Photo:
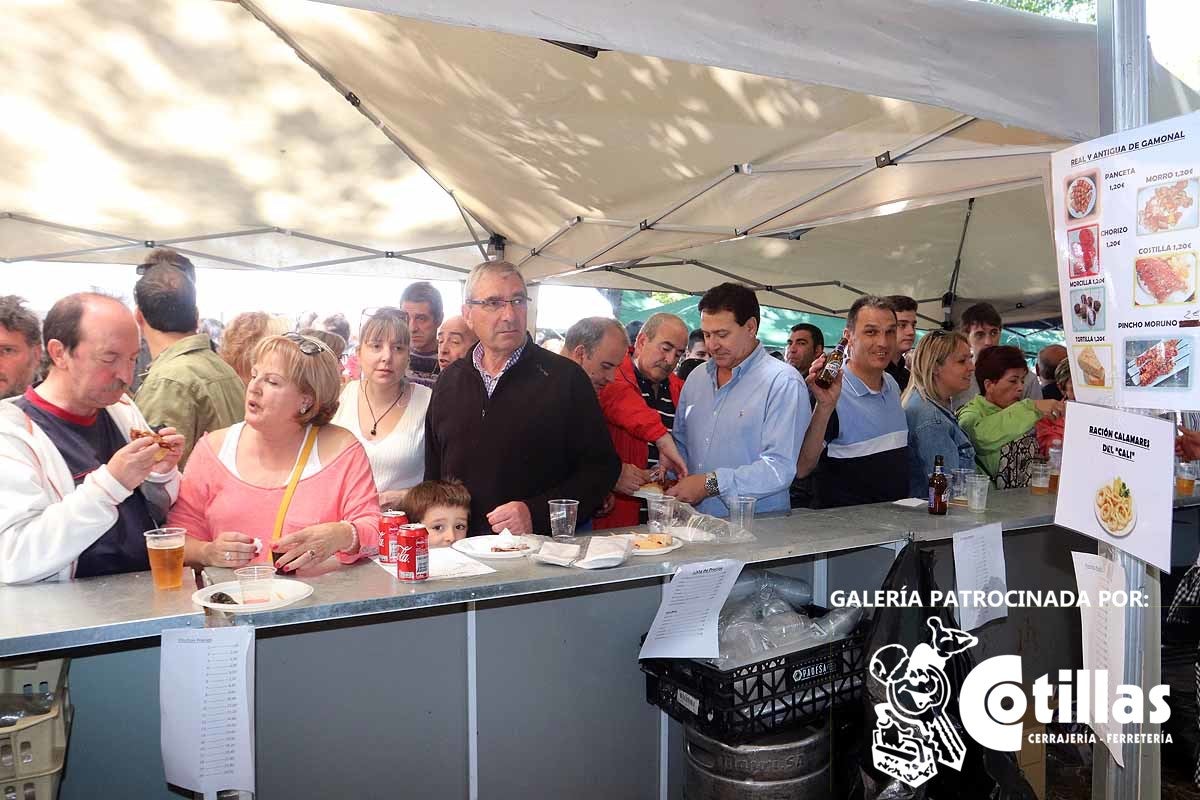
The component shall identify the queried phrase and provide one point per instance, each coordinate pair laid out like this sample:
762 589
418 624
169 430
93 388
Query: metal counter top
54 616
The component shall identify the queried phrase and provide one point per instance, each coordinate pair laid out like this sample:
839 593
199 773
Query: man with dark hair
1047 362
741 417
695 356
982 325
517 424
597 344
857 443
20 346
189 387
906 336
171 258
337 323
423 304
78 490
805 343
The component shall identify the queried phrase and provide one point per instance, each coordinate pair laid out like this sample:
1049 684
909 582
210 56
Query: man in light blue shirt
741 417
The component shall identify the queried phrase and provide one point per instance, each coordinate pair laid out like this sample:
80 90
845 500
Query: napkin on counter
602 551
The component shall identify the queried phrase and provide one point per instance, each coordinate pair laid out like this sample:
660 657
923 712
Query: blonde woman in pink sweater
236 481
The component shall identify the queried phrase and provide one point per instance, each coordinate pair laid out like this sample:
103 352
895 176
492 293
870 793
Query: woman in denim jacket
941 368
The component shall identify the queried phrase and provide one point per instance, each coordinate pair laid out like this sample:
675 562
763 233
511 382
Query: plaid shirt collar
490 381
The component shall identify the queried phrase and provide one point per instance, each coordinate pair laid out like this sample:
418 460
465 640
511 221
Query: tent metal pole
952 155
995 188
762 287
209 236
668 287
334 242
537 250
72 253
551 239
331 262
470 228
223 259
810 285
650 222
962 240
1124 103
858 172
427 263
70 228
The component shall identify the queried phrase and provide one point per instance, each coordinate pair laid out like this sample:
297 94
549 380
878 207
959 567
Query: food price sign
1125 228
1117 478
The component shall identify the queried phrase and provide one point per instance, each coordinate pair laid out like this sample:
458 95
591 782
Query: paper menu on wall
206 700
1118 479
686 623
979 567
1103 638
1125 213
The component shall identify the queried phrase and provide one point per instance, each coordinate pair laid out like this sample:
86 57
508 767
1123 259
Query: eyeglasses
493 304
308 346
383 311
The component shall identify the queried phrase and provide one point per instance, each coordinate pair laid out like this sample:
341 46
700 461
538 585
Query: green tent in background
777 323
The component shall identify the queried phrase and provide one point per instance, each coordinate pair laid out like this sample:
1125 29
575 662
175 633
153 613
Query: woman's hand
1050 408
230 549
310 546
392 500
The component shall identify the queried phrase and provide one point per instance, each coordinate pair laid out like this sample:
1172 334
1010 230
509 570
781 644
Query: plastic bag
691 526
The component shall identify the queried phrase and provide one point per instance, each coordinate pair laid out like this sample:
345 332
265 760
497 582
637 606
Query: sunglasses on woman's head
308 346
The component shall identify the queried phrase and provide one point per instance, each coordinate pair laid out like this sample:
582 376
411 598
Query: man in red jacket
639 406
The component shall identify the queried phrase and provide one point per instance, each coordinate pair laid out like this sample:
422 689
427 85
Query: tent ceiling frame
549 240
128 243
470 228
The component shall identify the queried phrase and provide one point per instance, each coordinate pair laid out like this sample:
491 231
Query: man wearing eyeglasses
520 426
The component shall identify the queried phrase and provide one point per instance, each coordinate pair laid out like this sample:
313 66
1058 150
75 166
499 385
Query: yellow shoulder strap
309 441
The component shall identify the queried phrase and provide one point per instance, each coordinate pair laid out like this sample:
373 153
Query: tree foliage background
1074 10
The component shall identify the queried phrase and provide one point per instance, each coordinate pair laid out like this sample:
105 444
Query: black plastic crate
766 697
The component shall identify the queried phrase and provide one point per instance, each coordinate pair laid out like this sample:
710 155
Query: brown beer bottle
939 488
833 365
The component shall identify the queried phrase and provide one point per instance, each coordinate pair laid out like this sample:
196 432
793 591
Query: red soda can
412 563
389 526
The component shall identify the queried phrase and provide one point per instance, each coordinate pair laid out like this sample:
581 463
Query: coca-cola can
389 526
412 563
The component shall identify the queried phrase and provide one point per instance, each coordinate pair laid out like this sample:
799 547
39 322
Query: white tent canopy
189 118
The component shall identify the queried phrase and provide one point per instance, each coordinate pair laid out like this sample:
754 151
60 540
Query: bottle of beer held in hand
939 488
833 365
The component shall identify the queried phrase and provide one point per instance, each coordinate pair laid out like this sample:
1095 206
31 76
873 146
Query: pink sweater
212 499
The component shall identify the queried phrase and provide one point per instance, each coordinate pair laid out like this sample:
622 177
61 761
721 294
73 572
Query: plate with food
1114 508
498 546
1165 279
1152 363
653 544
1092 364
1081 196
228 596
1167 207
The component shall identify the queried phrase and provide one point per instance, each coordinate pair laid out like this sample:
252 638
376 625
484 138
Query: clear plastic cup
977 492
1039 477
1185 478
660 513
958 485
564 515
164 546
255 583
741 513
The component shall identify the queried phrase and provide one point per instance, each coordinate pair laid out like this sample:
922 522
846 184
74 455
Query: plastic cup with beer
977 492
958 485
164 546
1039 477
1185 478
255 583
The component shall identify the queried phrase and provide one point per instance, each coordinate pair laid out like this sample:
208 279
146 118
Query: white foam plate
643 494
676 543
284 592
1124 531
481 547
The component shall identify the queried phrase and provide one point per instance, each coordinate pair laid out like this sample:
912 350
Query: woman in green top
999 423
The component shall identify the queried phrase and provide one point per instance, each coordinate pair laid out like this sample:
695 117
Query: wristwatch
711 489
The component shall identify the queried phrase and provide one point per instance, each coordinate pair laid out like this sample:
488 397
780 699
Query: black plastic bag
985 774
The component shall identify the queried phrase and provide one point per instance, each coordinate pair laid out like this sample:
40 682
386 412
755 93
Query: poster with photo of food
1126 217
1117 467
1160 364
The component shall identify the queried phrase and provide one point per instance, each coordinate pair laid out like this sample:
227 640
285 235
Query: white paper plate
643 494
284 592
1124 531
1091 203
676 543
481 547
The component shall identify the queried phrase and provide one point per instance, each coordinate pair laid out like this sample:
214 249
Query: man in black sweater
517 424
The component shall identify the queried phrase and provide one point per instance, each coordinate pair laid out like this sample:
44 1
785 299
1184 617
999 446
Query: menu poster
1117 480
1125 214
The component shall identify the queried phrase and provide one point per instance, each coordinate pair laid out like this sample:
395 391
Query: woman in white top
385 410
